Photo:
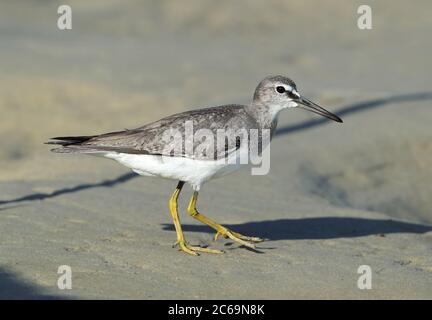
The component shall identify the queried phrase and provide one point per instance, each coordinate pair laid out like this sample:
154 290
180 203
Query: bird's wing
171 136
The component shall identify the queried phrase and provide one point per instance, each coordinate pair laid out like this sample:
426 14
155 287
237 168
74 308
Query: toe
193 250
207 250
185 248
241 241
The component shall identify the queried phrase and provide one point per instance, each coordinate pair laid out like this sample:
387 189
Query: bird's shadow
315 228
42 196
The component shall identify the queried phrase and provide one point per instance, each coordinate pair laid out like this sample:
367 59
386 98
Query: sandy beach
337 196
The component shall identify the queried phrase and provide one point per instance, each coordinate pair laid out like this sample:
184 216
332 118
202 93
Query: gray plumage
150 139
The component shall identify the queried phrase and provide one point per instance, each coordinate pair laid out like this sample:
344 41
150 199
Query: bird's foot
235 236
194 250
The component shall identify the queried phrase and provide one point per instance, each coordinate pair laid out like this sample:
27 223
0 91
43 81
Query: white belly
195 172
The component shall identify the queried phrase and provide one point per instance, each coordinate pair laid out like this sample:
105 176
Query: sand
337 196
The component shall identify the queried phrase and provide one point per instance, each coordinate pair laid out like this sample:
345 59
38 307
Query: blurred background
127 63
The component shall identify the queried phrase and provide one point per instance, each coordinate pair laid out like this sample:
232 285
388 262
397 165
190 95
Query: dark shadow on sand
42 196
355 108
315 228
13 288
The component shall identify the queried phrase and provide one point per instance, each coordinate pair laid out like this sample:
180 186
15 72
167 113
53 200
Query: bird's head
281 92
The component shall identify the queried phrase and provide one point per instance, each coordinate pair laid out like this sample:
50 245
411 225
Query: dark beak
313 107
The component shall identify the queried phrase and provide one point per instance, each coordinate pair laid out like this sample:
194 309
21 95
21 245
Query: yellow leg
172 204
220 230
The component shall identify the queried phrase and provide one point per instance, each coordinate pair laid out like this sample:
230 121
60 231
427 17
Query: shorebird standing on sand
148 152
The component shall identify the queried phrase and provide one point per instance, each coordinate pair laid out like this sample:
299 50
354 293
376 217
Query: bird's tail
72 145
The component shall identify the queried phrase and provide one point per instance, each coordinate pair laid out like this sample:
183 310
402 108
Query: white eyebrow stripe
288 88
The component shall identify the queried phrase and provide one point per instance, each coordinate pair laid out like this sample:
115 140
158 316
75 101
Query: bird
168 148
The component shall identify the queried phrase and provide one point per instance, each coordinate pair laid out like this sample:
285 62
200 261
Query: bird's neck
265 115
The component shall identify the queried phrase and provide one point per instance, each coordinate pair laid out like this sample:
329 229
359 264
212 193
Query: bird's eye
280 89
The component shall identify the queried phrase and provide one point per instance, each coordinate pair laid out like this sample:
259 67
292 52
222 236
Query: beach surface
337 197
